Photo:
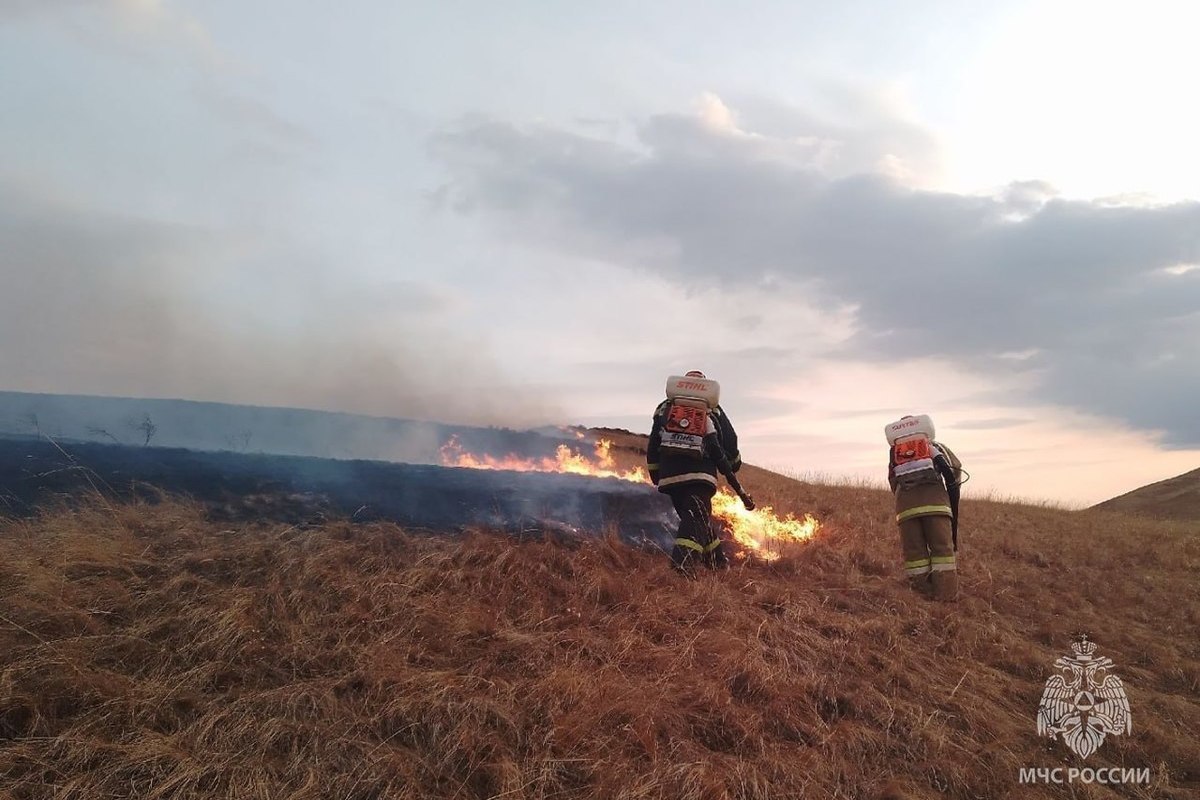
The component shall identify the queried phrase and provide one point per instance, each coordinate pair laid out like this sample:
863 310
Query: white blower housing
910 426
699 388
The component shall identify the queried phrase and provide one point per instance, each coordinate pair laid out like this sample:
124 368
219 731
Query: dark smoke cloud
99 303
1078 293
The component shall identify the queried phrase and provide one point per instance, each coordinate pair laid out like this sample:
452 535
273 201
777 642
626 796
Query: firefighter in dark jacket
925 476
690 440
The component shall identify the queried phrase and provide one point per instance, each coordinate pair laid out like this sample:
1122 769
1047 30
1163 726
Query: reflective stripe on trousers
699 548
918 566
943 563
921 511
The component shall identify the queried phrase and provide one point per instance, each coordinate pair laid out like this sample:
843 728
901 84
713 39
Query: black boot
684 559
718 558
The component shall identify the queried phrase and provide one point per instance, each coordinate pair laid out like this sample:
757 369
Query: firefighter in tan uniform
925 476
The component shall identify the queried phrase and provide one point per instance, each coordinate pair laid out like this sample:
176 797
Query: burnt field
36 473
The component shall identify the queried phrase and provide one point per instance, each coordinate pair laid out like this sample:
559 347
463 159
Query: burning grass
565 460
149 652
761 533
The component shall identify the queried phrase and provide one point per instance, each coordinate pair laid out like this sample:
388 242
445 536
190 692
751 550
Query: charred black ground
292 488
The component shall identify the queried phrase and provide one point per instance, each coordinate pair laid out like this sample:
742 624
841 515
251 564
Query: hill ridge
1175 498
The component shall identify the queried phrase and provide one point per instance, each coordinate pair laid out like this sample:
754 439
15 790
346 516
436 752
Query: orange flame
759 532
565 459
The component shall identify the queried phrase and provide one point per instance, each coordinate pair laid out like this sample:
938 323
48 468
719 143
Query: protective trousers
928 550
696 541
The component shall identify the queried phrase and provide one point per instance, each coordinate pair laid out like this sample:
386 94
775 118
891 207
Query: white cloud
717 116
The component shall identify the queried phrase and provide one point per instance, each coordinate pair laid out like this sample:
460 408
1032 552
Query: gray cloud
132 28
1080 285
244 113
993 424
96 302
17 9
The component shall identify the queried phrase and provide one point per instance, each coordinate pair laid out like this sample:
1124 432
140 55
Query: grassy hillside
1175 498
146 651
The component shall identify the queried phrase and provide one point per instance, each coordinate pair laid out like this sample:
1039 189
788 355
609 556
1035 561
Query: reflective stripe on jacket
929 496
668 469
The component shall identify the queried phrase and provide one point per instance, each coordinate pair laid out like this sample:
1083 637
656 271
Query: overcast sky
528 212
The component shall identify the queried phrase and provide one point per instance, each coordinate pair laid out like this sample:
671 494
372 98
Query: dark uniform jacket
670 469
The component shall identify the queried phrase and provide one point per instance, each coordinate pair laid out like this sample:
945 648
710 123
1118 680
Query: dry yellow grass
146 652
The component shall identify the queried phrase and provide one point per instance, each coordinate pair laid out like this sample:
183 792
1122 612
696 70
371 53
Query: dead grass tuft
151 652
